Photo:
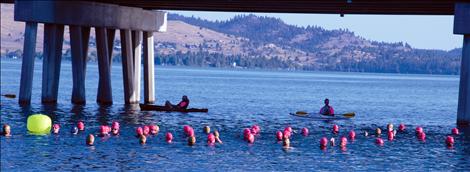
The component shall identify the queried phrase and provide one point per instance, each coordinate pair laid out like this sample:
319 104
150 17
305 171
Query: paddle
12 96
347 115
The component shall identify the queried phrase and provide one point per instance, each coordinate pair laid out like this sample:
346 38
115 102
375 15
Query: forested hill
316 48
251 41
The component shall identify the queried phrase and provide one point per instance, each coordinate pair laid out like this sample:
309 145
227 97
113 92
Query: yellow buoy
39 124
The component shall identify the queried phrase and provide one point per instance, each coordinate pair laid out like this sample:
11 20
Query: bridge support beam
137 53
127 65
104 95
53 39
79 37
27 66
462 26
149 75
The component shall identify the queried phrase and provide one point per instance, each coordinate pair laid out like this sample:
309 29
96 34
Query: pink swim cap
419 130
80 125
169 137
390 135
139 131
379 141
401 127
115 125
422 136
343 142
146 130
335 129
210 139
455 131
287 134
288 128
305 131
323 142
279 135
352 135
450 141
56 126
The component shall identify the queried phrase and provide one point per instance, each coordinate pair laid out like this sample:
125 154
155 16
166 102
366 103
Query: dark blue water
237 99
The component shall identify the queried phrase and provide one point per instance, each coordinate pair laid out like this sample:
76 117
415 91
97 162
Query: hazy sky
428 32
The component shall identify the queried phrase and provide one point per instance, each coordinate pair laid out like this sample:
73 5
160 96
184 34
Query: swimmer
210 139
55 128
142 139
81 125
169 137
279 135
90 140
103 131
139 131
207 129
422 136
378 132
304 131
379 141
115 128
74 130
251 138
419 130
323 143
154 129
217 138
6 130
246 133
450 141
335 129
146 130
343 142
390 127
191 140
286 143
455 131
255 129
186 129
401 127
332 141
352 135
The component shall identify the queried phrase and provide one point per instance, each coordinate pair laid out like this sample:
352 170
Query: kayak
325 117
147 107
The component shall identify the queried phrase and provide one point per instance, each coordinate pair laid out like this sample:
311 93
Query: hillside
262 42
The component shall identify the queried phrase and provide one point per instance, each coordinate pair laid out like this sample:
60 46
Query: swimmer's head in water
6 130
185 98
207 129
378 131
81 125
90 139
142 139
55 128
191 141
327 101
286 142
74 130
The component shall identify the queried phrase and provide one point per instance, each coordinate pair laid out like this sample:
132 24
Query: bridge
138 19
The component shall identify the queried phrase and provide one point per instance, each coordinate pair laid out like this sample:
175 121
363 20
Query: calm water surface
237 99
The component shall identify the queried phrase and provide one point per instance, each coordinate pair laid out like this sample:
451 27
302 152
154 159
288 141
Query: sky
425 32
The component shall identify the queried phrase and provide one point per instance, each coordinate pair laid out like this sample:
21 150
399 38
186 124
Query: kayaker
327 109
183 104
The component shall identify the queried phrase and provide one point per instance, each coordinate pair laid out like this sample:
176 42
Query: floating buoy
279 135
455 131
39 124
305 131
169 137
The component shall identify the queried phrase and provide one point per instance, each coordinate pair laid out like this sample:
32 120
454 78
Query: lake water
238 99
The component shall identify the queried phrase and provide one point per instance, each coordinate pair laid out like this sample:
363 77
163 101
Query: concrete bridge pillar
104 95
127 65
462 26
53 39
149 75
137 53
79 37
27 66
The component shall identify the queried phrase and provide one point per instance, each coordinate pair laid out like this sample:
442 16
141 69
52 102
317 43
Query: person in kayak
327 109
183 104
